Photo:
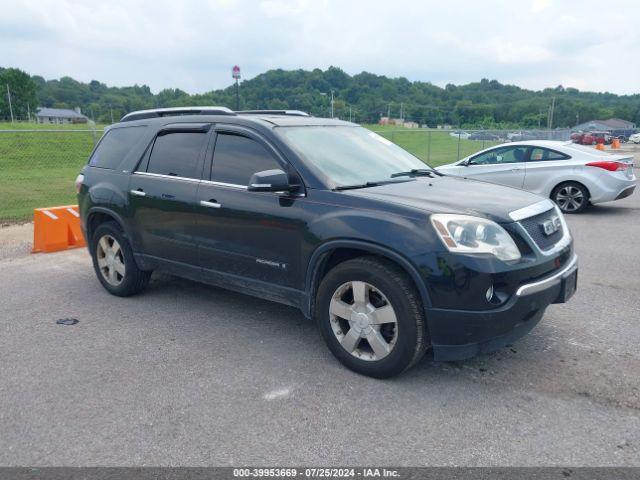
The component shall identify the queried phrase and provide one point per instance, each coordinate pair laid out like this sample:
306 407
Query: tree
23 93
484 103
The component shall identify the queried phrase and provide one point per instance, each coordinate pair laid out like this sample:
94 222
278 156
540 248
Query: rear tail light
79 180
609 165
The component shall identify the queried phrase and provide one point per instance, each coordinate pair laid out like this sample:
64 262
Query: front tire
371 317
113 262
571 197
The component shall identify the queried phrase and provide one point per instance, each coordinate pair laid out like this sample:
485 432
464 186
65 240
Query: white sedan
459 134
571 175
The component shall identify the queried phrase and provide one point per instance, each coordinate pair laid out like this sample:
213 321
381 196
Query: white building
60 115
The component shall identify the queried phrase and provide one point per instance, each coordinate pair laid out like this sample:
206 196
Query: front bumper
461 334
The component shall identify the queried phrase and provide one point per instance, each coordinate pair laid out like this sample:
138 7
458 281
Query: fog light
489 293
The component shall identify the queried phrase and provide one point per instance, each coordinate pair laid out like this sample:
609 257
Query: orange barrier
615 143
599 146
56 228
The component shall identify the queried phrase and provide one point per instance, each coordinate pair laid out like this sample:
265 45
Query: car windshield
350 155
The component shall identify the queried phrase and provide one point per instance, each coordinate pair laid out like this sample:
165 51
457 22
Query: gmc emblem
549 227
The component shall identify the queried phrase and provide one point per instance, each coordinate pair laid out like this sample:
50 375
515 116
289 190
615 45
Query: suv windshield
350 155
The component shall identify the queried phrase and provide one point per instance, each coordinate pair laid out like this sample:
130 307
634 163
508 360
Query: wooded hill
487 103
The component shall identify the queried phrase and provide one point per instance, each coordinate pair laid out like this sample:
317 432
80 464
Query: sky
192 45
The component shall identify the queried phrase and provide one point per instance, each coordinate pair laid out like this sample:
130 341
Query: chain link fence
440 146
38 166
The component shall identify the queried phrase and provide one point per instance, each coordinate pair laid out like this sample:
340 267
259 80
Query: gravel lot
187 374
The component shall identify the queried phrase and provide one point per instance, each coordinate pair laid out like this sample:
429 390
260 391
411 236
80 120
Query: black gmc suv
390 257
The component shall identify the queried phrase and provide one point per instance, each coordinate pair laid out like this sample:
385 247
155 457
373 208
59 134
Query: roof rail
165 112
295 113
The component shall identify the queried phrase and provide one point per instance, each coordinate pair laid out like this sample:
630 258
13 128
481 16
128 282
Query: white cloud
540 5
193 44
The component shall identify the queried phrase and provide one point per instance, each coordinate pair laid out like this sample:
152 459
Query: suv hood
453 195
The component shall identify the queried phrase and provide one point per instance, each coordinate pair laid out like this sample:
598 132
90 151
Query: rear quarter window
539 154
115 146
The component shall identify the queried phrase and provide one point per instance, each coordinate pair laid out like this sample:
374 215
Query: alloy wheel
570 198
110 260
363 320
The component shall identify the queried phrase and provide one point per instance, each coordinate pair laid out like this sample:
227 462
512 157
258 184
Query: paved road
186 374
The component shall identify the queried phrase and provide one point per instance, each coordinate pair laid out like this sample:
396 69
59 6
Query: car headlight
467 234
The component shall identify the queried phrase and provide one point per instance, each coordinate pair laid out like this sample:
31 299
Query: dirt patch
16 240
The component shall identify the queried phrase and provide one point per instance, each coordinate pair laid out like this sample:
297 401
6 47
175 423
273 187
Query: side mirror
270 181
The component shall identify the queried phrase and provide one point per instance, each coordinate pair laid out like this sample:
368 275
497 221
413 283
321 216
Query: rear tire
113 262
571 197
371 317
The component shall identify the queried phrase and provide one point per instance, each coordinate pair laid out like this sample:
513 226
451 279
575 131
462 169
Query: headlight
466 234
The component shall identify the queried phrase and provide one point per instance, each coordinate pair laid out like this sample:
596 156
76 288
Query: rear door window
178 154
236 158
115 146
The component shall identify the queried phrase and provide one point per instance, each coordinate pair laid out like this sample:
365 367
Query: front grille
534 227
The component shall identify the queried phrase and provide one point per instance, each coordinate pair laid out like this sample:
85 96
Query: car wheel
371 317
114 263
571 197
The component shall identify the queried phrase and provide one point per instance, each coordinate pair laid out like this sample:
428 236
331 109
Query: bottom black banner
430 473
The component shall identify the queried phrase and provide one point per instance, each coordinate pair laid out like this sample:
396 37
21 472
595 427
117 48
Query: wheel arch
99 215
570 180
334 252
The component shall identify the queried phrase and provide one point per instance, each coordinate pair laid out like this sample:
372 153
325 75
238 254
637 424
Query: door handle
138 193
516 169
167 196
210 204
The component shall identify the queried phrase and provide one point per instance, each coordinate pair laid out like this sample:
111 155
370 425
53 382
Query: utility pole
539 118
10 107
402 112
551 109
389 111
111 111
349 112
332 116
28 112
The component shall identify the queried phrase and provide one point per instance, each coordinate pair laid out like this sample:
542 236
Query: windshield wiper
417 172
368 184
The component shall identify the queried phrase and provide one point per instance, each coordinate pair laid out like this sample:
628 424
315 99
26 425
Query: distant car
571 175
522 136
576 137
593 138
459 134
623 133
635 138
484 136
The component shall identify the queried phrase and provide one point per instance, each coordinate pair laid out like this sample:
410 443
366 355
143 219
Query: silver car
571 175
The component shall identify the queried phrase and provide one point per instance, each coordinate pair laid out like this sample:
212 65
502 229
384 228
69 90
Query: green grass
37 169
